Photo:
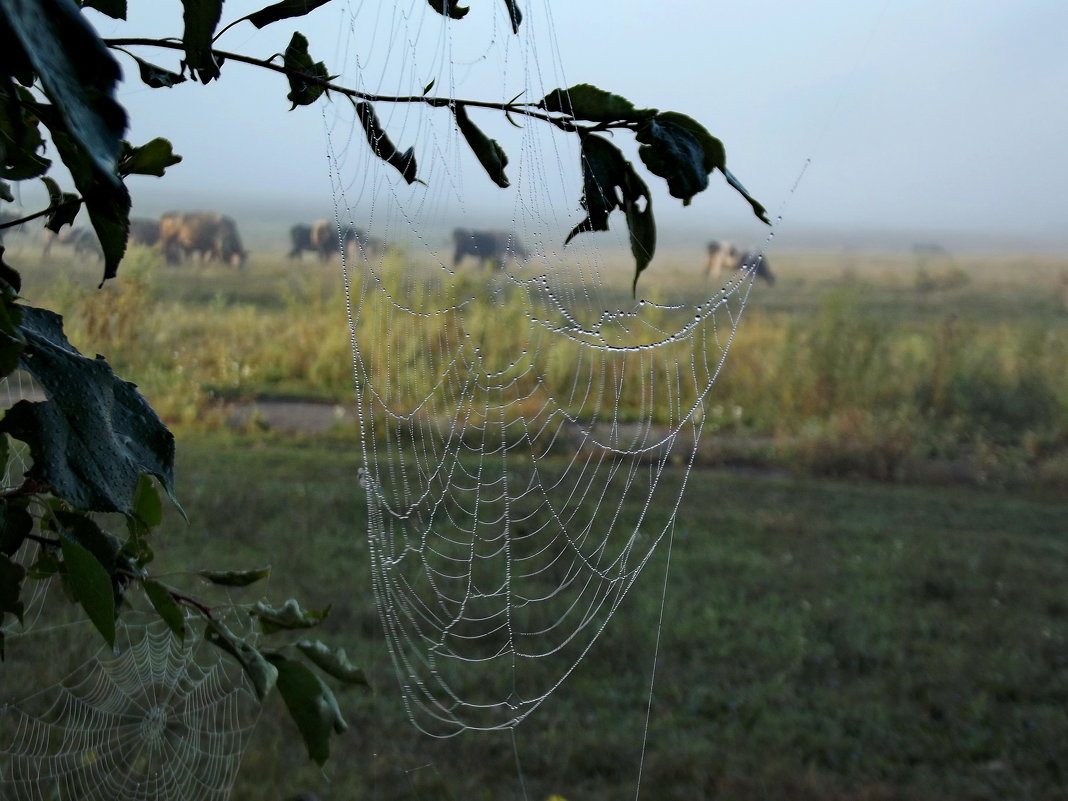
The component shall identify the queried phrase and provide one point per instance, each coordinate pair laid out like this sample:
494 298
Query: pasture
866 590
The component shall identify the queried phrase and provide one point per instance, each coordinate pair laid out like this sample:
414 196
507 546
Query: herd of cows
208 236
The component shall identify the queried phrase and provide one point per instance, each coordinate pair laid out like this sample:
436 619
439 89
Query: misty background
860 123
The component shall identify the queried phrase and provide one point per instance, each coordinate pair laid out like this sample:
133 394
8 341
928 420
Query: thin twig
525 109
43 212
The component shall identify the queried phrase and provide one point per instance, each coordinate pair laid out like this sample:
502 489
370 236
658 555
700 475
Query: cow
144 232
300 237
725 256
207 234
324 240
495 247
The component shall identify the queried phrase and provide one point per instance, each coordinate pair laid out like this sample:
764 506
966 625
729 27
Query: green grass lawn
820 640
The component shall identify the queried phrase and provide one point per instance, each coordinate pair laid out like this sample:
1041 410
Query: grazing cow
322 238
725 256
144 232
495 247
207 234
300 237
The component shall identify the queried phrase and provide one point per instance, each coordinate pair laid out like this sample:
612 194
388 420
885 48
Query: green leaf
296 57
490 154
104 195
168 609
586 102
83 530
151 158
715 157
157 77
404 163
45 565
91 586
449 8
201 17
311 704
287 616
283 10
95 436
514 14
758 210
15 524
11 576
261 673
66 205
235 578
333 661
113 8
429 86
78 75
147 506
672 152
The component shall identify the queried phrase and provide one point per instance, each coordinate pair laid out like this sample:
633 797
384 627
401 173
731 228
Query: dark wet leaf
429 86
449 8
311 704
66 205
5 187
157 77
91 585
200 18
490 154
166 607
586 102
715 157
287 616
515 16
333 662
113 8
303 91
95 436
610 182
404 163
151 158
235 578
260 672
78 75
283 10
671 151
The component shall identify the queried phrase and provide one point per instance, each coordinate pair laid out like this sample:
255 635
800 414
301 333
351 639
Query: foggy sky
941 116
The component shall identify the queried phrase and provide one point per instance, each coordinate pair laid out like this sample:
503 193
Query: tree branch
42 213
525 109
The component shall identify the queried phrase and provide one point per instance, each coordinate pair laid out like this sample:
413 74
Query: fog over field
870 123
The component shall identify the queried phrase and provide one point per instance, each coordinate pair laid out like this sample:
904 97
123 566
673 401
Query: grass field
822 638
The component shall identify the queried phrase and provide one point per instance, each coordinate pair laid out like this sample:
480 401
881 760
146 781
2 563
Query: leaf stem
42 213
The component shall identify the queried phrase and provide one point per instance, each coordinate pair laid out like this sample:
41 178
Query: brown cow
207 234
725 256
323 239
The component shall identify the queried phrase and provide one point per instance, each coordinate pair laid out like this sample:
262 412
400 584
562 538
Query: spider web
152 722
517 424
